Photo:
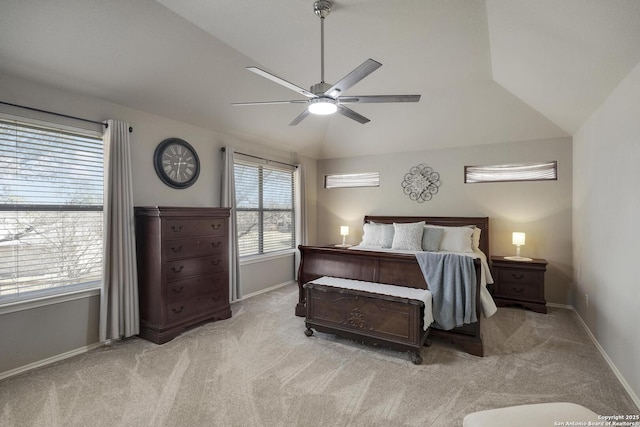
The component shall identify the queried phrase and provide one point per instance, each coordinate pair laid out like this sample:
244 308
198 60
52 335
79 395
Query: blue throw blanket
452 282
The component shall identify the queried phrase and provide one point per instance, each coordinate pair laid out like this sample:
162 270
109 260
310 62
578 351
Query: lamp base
518 258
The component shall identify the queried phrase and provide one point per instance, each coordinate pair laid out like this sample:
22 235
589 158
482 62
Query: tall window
51 187
265 213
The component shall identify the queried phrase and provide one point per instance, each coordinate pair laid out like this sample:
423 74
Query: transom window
264 208
51 196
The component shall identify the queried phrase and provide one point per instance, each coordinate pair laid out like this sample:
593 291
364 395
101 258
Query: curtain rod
223 149
106 125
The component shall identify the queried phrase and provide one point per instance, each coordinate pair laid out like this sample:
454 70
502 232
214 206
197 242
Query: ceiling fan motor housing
320 88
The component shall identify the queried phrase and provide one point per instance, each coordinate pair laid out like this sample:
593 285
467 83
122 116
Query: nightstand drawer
519 277
519 291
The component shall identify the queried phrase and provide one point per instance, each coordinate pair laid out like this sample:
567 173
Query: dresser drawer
179 228
518 291
181 269
195 306
193 247
194 286
519 277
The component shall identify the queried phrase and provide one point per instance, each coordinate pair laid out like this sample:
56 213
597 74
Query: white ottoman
534 415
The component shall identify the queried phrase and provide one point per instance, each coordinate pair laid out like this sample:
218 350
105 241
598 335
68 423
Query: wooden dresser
183 269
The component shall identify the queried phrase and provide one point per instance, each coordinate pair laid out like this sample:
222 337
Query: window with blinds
515 172
264 208
51 188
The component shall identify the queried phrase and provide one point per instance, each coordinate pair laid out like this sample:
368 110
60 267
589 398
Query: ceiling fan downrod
322 9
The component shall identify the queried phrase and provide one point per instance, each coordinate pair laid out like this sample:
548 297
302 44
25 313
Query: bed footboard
380 267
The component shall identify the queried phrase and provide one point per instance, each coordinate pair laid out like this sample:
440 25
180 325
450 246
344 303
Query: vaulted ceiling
488 71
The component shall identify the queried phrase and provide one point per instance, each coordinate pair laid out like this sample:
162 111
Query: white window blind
367 179
265 208
514 172
51 195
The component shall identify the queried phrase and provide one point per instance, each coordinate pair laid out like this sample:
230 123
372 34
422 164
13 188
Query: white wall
541 209
606 223
148 131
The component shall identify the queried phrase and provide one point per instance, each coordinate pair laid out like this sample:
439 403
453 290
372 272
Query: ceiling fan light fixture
322 106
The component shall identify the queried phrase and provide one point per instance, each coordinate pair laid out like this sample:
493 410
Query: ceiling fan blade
301 116
352 114
379 98
295 101
281 82
362 71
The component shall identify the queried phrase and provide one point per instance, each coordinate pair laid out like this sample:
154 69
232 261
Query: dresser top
181 211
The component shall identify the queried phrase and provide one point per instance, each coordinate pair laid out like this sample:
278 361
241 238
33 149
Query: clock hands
181 163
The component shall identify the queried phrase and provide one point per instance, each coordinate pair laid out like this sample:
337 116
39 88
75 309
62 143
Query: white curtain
301 213
228 200
119 314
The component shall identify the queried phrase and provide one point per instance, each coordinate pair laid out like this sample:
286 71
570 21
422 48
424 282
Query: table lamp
518 239
344 232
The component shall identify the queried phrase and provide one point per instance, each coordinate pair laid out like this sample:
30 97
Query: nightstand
519 283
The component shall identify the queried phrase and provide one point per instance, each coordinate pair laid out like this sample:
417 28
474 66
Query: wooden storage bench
374 318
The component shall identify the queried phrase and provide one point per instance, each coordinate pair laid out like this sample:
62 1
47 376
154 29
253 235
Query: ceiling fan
325 98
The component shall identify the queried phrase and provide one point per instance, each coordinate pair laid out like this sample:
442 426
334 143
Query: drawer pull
177 291
517 276
216 299
177 270
517 290
215 262
178 311
176 250
216 244
177 229
216 226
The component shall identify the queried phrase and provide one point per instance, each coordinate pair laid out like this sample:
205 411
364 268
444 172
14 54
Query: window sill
28 304
266 257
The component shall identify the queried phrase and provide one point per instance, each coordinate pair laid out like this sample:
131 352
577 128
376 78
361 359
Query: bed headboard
450 221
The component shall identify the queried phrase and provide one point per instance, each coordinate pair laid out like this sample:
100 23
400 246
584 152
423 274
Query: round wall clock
177 163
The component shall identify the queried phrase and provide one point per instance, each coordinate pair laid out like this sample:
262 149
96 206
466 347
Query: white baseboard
625 384
262 291
50 360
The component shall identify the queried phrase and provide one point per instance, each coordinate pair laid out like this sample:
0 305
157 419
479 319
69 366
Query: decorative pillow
431 239
377 235
455 239
408 236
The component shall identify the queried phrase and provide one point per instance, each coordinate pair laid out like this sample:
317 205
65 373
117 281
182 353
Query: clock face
176 163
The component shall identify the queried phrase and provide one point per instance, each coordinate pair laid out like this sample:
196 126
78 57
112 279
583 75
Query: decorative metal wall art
421 183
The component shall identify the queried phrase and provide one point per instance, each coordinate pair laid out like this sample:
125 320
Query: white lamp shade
344 230
518 238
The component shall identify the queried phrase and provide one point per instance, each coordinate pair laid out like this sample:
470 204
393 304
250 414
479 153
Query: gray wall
542 209
606 225
149 131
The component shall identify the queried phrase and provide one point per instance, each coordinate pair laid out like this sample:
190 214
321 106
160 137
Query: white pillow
456 239
377 235
408 236
475 239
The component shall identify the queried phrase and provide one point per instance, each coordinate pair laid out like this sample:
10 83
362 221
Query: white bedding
486 301
378 288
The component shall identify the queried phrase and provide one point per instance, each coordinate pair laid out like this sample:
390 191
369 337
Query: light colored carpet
258 368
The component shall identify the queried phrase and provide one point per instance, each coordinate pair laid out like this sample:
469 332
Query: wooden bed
392 268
